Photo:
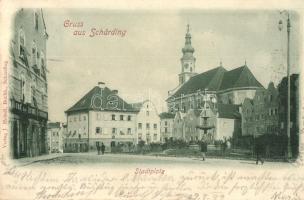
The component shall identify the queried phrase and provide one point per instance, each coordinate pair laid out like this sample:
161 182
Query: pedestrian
103 147
259 150
228 144
98 148
224 145
203 148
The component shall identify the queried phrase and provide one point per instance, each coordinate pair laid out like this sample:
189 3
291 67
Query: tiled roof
166 115
210 80
110 101
239 77
229 111
137 106
219 79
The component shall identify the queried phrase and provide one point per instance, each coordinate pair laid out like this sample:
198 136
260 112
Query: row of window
72 134
270 98
268 129
55 134
148 137
271 112
99 130
79 117
147 126
98 117
122 117
30 95
36 55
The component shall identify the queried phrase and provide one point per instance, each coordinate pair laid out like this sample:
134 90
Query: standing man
103 147
259 150
203 148
98 148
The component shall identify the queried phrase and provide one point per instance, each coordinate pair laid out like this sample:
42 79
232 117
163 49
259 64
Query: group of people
259 149
100 148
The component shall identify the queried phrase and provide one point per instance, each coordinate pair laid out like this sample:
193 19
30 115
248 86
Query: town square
205 88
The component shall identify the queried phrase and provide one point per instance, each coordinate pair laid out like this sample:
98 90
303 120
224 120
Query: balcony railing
28 110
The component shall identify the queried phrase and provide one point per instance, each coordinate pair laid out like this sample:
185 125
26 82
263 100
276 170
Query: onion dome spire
188 48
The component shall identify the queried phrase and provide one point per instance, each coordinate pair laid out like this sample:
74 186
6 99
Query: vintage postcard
151 101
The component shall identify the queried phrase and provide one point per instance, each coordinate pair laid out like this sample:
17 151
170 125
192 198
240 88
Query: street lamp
288 26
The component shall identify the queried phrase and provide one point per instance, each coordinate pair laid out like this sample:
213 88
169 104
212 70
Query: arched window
33 94
21 41
22 79
42 65
34 54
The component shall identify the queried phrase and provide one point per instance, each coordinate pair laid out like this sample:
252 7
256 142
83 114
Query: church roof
106 100
239 77
208 80
218 79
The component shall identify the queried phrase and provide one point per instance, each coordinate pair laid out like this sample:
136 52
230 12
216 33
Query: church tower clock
188 60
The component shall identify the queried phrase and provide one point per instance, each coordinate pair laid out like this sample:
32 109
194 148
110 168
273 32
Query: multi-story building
55 134
260 115
101 116
28 85
166 126
148 122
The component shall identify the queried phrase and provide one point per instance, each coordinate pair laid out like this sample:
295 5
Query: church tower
188 60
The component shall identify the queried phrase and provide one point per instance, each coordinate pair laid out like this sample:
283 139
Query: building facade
166 126
260 115
148 122
55 134
214 121
101 116
28 85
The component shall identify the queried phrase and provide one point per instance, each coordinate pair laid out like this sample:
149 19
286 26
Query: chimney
101 85
115 91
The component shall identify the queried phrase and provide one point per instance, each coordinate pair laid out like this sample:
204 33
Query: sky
145 63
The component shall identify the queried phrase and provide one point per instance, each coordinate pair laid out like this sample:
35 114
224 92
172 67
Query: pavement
117 160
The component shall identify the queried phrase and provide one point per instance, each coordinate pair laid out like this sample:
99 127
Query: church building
221 85
218 90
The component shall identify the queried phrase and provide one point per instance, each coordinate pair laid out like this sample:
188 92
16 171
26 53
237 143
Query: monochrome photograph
186 87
